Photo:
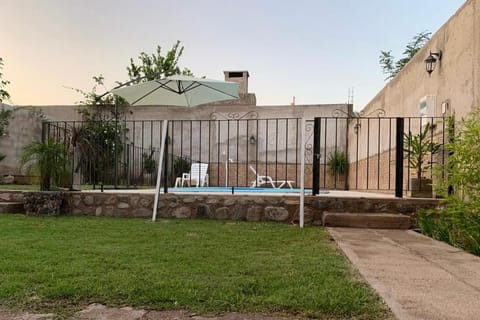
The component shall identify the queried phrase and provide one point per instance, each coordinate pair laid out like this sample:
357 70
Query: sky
315 50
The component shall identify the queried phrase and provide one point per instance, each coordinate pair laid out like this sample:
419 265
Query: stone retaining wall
235 207
224 206
11 196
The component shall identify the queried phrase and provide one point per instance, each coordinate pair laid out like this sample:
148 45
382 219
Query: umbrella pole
160 166
302 172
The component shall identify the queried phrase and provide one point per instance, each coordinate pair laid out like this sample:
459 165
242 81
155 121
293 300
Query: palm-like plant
417 147
48 158
338 162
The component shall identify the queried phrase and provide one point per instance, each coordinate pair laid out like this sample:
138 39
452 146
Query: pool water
234 190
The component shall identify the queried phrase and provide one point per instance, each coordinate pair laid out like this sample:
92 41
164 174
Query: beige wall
454 82
24 127
280 146
456 78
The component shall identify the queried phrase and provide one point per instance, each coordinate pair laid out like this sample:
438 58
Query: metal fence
126 153
384 154
238 152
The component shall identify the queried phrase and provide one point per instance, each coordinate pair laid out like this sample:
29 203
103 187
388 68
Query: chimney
240 77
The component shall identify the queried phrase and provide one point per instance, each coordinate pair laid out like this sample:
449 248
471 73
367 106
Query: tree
5 114
390 67
4 95
99 139
157 66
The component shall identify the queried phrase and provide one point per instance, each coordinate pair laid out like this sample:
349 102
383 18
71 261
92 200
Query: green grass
30 187
62 263
19 187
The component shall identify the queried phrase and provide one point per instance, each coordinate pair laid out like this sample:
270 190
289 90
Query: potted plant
50 159
338 164
149 166
418 149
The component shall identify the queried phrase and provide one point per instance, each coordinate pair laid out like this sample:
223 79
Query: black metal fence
381 152
346 153
238 152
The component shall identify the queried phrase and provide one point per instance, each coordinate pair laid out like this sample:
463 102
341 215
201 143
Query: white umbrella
176 91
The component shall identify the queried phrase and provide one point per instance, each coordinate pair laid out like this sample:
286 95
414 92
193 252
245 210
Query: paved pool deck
418 277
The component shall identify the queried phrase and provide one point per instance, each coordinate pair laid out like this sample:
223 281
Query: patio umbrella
182 91
178 91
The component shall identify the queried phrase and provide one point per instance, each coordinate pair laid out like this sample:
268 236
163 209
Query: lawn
36 187
26 187
59 264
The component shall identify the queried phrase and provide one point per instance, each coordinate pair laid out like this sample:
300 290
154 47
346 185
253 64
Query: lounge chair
267 180
197 176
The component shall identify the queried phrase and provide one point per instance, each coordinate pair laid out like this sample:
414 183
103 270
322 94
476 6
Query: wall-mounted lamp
252 139
431 61
356 127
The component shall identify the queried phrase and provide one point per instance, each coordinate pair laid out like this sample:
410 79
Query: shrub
181 165
149 164
338 162
49 159
458 223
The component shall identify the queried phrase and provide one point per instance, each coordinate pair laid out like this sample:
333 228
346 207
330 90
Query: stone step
11 207
366 220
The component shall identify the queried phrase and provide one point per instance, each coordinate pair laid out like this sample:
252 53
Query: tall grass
458 226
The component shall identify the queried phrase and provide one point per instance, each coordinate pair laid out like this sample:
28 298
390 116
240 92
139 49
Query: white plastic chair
197 176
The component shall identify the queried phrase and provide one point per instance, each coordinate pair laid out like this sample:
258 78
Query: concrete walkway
418 277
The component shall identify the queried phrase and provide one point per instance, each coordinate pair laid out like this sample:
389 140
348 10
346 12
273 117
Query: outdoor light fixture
356 127
252 139
431 60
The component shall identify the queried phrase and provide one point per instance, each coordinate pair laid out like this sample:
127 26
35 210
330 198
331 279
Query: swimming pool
234 190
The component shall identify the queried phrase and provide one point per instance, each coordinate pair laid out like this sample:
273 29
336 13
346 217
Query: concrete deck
418 277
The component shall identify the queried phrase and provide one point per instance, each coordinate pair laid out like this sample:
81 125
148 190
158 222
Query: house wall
23 128
452 88
456 78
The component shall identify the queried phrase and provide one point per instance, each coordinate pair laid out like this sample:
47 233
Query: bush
338 162
458 223
180 165
149 164
49 159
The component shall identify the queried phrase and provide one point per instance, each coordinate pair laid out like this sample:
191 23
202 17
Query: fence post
316 156
44 131
399 159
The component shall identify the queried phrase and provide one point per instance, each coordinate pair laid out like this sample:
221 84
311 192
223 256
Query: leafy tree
5 114
390 67
98 141
4 95
156 66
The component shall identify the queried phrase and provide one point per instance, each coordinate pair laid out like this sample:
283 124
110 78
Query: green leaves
155 65
49 159
458 223
338 162
417 149
387 61
4 95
